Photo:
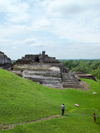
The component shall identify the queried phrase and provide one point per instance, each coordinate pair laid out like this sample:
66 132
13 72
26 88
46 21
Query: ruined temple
45 70
5 62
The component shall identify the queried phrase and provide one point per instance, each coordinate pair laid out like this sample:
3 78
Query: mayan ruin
45 70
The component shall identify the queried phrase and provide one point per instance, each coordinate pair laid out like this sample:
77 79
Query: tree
96 73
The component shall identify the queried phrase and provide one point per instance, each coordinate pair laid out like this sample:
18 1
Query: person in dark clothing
63 109
94 117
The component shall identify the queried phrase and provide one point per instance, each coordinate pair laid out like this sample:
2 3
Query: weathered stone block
5 62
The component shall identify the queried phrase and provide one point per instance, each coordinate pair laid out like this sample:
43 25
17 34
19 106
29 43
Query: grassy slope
23 100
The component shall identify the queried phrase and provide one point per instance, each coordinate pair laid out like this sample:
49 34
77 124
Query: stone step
70 80
39 77
65 85
58 86
50 82
72 86
45 81
66 75
71 83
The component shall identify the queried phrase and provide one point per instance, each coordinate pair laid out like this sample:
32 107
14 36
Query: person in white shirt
63 109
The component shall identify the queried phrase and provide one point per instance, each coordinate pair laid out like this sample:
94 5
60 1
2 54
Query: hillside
22 100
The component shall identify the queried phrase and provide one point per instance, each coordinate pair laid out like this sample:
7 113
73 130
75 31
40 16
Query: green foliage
22 100
96 73
70 64
99 67
95 65
84 66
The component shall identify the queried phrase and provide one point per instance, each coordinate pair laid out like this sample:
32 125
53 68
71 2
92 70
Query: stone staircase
70 81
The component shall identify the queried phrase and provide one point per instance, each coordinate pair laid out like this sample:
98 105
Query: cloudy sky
65 29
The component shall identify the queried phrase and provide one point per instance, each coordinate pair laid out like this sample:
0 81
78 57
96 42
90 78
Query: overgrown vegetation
22 100
84 66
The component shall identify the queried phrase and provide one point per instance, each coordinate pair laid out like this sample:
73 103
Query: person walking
63 109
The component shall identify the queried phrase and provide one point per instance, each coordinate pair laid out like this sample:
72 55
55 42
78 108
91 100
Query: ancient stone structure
45 70
5 62
83 75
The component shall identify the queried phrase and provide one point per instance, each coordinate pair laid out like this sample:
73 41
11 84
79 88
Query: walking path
5 127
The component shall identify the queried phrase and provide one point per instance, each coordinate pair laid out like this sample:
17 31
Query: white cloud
67 7
16 11
14 47
41 23
51 24
32 42
18 18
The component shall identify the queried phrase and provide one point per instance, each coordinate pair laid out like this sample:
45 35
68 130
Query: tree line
85 66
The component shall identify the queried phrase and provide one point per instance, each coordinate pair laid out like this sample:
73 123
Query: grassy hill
22 100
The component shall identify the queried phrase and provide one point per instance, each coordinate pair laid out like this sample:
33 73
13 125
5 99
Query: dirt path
5 127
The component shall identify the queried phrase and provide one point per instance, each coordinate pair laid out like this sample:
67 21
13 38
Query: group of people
63 109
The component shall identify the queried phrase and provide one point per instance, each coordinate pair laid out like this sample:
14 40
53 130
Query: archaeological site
45 70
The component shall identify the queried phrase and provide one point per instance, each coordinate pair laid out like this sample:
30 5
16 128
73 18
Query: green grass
22 100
